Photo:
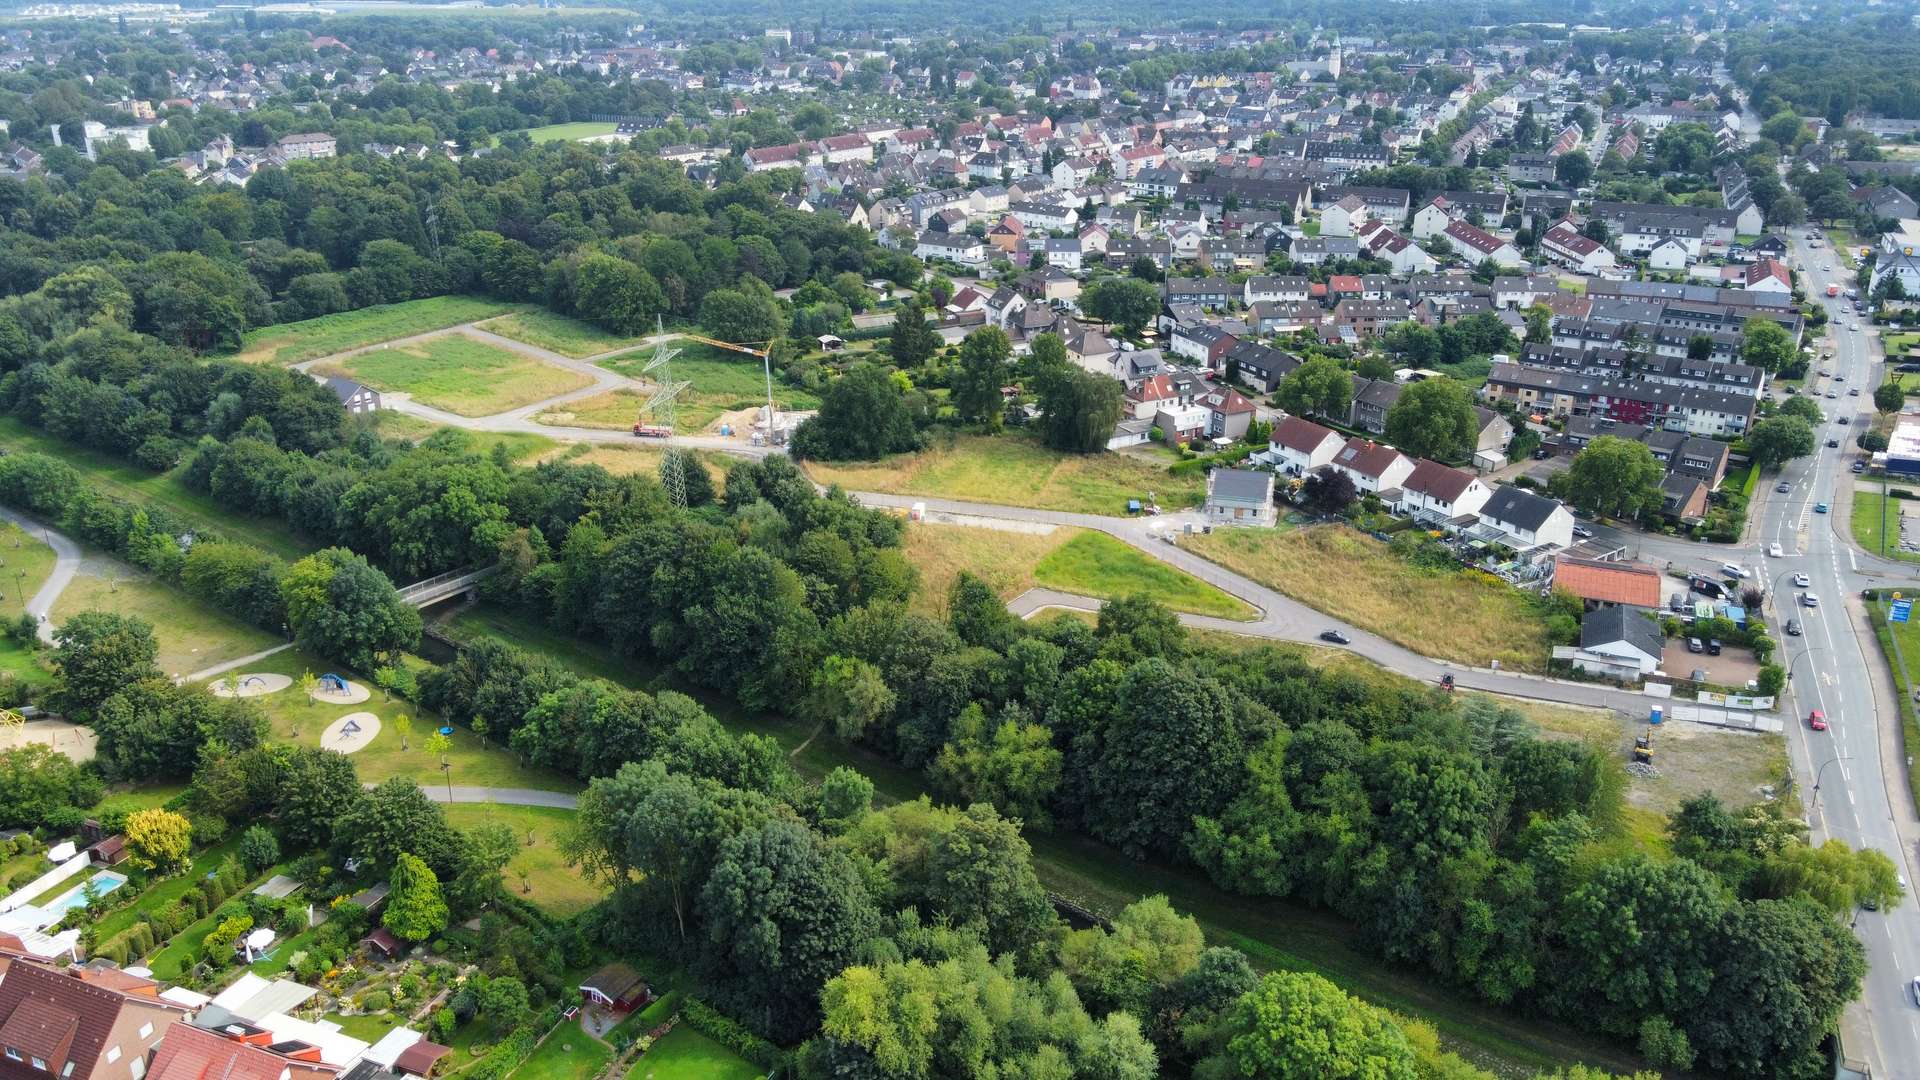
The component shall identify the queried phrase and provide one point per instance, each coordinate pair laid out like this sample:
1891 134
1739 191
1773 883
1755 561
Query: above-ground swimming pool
103 882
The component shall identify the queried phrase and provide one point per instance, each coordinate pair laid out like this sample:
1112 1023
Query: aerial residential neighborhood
653 540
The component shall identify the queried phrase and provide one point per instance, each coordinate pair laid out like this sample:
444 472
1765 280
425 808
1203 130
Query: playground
254 684
339 690
73 740
351 733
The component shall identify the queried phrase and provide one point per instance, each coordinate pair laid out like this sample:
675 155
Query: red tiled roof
1296 433
1633 583
1436 481
1366 457
190 1053
419 1058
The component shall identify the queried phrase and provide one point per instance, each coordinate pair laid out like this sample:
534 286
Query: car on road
1833 444
1793 627
1845 421
1775 551
1783 487
1802 580
1819 508
1809 600
1817 720
1336 637
1853 391
1858 466
1583 532
1735 570
1839 378
1831 394
1916 989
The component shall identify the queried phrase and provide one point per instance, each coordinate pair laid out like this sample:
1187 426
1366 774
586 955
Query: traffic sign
1901 610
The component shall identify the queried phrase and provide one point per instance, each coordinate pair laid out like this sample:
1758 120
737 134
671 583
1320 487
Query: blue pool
103 882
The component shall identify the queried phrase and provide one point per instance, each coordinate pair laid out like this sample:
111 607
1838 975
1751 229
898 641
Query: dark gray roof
1519 507
1606 625
1242 485
344 388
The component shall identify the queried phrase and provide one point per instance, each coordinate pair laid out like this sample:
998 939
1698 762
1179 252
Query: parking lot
1734 666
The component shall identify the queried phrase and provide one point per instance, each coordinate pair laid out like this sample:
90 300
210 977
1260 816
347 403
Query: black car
1793 627
1336 637
1833 444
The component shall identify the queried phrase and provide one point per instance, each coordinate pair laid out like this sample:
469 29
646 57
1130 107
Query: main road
1852 775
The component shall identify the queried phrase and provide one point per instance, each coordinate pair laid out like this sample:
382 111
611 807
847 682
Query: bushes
509 1053
729 1033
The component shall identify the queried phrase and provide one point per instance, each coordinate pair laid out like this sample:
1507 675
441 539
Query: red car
1817 720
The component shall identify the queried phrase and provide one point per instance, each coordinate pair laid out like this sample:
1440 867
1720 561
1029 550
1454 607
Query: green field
721 382
550 883
1016 470
457 373
563 334
1095 564
568 1053
473 762
112 476
521 445
191 635
685 1054
290 343
1865 522
582 129
25 563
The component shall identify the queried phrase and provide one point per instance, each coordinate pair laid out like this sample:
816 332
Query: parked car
1583 532
1858 467
1809 600
1713 646
1336 637
1916 989
1695 645
1817 720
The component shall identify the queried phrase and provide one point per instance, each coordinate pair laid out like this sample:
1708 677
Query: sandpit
350 693
251 685
352 732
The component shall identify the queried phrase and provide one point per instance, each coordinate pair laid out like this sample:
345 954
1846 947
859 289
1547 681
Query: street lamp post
1822 771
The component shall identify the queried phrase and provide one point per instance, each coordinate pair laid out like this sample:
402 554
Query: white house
1264 289
1619 641
1298 446
963 248
1671 253
1524 520
1564 246
1438 493
1372 466
1432 219
1477 245
1344 217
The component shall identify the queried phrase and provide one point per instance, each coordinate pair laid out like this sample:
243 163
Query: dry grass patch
563 334
615 410
1004 560
623 460
1016 470
290 343
1463 616
190 636
537 870
459 374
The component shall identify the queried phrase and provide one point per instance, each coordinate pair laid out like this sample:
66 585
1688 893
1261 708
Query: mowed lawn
550 883
568 1053
473 761
582 129
460 374
190 635
1016 470
290 343
563 334
1466 617
685 1054
166 491
721 381
1095 564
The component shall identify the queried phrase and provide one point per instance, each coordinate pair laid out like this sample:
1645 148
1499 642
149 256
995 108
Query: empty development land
719 382
310 339
459 374
1015 470
563 334
1459 615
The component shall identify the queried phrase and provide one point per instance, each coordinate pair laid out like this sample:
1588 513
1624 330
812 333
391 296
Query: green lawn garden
1095 564
568 1053
460 374
685 1054
191 635
548 881
581 129
309 339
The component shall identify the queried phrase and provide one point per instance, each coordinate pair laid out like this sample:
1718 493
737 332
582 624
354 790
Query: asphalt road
1852 775
66 563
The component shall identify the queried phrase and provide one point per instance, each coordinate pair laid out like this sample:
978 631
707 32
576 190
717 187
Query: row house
1049 216
1564 246
1284 316
1398 252
1258 366
1369 317
1478 245
1298 446
1207 292
790 156
963 248
1263 288
1373 467
1696 411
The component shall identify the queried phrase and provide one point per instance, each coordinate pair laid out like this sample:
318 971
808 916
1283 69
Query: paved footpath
66 563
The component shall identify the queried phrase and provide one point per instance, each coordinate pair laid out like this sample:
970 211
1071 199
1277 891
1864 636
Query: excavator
1643 747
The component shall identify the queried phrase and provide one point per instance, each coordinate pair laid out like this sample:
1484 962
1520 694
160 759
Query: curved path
66 563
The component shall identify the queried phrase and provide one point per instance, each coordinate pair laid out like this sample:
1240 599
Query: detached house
79 1023
1372 466
963 248
1240 497
1298 446
1523 521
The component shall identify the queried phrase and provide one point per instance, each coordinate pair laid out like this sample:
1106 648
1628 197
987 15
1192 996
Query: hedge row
228 576
158 925
511 1052
729 1033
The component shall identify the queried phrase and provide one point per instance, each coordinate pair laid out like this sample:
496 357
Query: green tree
503 1000
259 848
742 316
862 416
1127 302
912 340
1573 170
1766 345
1299 1026
415 910
340 605
95 655
1779 439
782 911
315 788
40 786
1009 763
1434 418
1319 387
1889 397
1615 477
850 694
1803 407
981 372
613 293
1150 946
1078 410
396 818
